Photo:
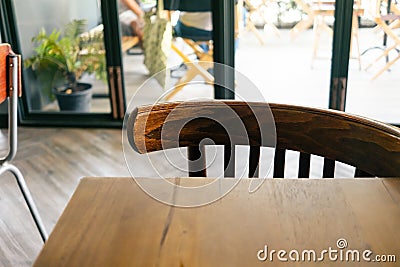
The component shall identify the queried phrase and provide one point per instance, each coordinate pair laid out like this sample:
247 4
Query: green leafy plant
62 57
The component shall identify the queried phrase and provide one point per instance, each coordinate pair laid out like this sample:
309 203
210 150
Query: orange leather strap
5 52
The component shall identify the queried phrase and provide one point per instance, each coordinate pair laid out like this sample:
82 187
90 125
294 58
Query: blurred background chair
203 63
257 10
10 90
324 9
194 26
370 146
387 22
305 23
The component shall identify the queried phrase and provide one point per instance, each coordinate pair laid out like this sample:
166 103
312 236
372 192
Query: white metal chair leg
13 143
27 197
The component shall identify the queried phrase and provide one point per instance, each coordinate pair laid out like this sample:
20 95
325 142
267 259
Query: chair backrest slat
329 168
229 161
254 158
279 163
197 161
304 165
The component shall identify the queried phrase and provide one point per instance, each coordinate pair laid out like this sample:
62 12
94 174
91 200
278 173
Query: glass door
373 89
70 77
297 52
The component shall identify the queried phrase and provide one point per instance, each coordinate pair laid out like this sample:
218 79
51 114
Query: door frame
109 11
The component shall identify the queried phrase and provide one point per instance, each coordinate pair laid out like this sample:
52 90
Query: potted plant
60 60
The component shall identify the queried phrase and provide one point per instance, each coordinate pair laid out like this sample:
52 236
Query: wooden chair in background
394 9
204 59
306 23
316 13
370 146
382 21
127 41
196 67
322 9
256 10
10 88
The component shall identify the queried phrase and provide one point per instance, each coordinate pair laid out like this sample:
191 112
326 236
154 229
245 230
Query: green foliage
62 57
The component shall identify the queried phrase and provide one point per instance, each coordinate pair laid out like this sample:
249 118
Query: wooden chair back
370 146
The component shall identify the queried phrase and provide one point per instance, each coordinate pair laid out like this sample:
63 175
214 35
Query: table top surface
308 222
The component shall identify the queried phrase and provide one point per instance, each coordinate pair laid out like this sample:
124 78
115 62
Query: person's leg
195 34
181 30
129 20
137 30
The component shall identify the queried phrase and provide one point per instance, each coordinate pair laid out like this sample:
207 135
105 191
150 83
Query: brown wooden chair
370 146
10 88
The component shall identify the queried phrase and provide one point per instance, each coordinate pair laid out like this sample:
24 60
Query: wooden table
112 222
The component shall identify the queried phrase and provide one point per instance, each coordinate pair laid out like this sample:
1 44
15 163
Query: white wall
32 15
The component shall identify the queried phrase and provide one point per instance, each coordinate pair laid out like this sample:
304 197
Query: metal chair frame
5 165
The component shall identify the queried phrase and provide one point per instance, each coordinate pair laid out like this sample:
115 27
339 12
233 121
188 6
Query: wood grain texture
369 145
111 222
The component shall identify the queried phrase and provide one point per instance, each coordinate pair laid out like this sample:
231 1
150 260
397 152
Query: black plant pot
78 100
